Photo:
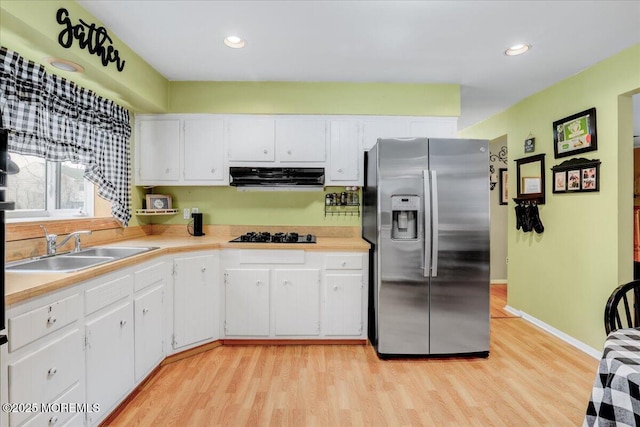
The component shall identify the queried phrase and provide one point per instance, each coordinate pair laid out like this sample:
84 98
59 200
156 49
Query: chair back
623 307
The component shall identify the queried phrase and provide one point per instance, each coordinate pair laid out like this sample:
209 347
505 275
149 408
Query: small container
328 200
336 199
343 198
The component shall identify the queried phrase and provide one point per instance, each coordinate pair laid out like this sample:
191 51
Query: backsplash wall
226 205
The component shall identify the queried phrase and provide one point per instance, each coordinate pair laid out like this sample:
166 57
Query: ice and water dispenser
404 209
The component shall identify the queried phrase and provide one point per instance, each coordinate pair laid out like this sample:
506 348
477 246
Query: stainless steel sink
110 251
58 264
74 261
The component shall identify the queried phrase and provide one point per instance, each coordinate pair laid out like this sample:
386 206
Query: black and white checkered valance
53 118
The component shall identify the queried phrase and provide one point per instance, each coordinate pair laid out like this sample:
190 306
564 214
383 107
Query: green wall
315 98
564 276
226 205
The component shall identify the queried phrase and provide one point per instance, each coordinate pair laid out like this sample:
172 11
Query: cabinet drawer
343 262
108 293
37 323
149 276
59 414
45 374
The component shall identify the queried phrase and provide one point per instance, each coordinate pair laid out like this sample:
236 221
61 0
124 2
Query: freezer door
459 293
403 292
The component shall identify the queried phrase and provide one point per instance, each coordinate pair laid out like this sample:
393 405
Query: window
48 189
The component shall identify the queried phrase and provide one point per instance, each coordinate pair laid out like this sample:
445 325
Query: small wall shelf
350 209
149 212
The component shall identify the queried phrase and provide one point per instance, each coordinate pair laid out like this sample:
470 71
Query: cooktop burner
266 237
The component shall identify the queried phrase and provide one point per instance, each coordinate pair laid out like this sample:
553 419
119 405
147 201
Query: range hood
277 179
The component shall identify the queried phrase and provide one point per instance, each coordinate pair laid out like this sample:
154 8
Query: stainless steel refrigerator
426 214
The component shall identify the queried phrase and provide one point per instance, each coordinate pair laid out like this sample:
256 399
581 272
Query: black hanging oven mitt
536 222
527 223
519 216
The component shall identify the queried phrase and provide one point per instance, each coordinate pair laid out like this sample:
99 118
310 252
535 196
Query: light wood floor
530 379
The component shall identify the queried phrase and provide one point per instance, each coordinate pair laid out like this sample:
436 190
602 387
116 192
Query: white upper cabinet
251 139
405 127
434 127
287 140
301 140
383 128
204 150
158 153
197 149
345 155
180 150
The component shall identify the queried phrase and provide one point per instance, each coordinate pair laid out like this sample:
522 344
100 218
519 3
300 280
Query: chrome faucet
52 244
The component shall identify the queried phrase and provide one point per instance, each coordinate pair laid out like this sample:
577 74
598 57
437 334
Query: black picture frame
523 193
503 177
575 134
578 175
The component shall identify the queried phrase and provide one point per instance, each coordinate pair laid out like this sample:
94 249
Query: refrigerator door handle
435 224
427 223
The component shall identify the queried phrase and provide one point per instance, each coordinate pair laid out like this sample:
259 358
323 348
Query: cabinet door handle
344 263
265 151
168 170
203 269
51 320
289 152
53 420
286 282
258 283
340 170
145 310
123 322
52 371
335 287
213 170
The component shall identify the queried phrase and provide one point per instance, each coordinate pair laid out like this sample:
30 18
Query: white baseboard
557 333
499 282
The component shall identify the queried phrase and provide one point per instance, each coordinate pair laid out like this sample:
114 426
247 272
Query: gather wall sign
89 36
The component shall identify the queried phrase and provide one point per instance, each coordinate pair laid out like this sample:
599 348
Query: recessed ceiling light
63 64
234 42
518 49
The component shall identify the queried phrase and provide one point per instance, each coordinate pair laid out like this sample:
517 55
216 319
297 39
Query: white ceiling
451 41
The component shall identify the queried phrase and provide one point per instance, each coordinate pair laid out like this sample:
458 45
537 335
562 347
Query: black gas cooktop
266 237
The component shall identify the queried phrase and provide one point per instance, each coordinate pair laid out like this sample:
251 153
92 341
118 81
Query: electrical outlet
195 210
186 214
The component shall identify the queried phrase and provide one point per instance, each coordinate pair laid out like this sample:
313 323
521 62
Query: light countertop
23 286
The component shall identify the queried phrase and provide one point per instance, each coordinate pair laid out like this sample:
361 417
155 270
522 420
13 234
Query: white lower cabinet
343 304
45 374
149 330
297 301
294 294
247 302
109 358
194 318
345 295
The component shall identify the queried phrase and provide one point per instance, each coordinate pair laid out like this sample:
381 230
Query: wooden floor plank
530 378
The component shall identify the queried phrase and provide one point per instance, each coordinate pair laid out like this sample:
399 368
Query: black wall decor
89 36
576 176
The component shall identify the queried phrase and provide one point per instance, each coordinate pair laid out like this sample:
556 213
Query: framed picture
531 185
529 145
559 182
158 201
575 134
504 186
573 180
576 175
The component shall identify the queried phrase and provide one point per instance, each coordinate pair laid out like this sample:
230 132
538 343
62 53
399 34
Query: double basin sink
75 261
